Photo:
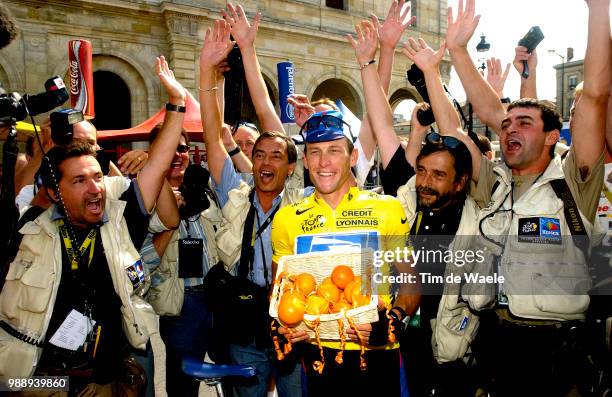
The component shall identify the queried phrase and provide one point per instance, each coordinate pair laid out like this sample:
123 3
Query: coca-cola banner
81 77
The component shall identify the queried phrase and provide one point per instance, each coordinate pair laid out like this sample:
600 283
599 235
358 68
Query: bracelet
208 89
234 151
175 108
365 65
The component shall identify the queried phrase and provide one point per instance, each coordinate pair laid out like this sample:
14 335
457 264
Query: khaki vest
455 326
28 297
229 237
542 281
167 297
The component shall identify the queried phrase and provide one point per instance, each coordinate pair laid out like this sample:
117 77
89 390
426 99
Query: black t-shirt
397 173
95 285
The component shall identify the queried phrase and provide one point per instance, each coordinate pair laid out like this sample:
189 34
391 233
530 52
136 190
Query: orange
342 275
330 292
305 283
291 309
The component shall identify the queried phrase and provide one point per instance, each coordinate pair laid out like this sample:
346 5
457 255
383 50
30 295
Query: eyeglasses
244 124
329 121
433 138
182 148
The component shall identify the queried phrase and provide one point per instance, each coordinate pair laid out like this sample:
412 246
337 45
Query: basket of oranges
324 293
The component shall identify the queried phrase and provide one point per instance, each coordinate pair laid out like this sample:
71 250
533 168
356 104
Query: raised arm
588 136
428 61
151 177
215 49
389 34
482 97
244 33
376 101
528 85
496 77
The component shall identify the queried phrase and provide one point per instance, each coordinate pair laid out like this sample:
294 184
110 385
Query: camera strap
88 243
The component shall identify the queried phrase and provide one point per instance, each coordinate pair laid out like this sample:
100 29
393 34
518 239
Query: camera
530 41
195 191
62 123
417 79
234 86
14 107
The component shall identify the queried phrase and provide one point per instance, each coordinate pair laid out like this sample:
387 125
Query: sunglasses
328 121
433 138
244 124
182 148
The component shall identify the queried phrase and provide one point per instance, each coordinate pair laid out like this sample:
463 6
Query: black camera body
417 79
234 87
62 122
530 41
195 191
14 107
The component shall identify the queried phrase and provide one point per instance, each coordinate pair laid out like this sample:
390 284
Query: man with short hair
244 240
537 220
78 271
330 214
245 134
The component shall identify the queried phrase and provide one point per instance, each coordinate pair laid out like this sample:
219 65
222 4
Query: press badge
539 230
136 274
190 258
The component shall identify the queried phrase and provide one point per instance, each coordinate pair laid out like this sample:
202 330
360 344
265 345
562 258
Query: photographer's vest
235 211
455 326
545 271
28 297
167 296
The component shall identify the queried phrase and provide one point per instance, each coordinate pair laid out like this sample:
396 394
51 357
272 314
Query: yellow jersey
363 219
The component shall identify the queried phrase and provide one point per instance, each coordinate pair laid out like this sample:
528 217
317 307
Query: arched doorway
402 103
339 89
111 102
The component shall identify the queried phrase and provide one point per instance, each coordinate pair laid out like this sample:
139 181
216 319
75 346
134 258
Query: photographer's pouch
190 257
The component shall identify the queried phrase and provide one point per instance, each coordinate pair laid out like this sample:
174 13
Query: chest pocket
29 281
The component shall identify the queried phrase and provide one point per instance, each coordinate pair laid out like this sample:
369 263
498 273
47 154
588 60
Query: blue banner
286 87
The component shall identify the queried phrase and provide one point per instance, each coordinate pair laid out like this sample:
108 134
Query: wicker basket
321 265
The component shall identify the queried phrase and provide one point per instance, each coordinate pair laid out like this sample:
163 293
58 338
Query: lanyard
418 222
89 242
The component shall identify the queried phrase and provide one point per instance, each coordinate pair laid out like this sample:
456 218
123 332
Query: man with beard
436 203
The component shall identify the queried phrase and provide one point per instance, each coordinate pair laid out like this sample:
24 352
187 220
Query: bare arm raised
245 33
481 95
589 125
151 177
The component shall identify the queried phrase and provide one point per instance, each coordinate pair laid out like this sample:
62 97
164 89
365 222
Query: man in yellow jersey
339 214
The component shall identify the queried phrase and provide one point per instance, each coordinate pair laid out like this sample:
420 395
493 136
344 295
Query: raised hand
520 55
390 32
243 32
175 90
495 76
460 30
423 55
302 109
216 47
133 161
366 44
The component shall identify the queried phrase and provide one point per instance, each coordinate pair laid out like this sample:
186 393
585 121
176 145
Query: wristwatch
175 108
505 100
234 151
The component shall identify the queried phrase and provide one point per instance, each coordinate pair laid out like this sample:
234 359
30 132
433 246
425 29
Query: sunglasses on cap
182 148
328 121
433 138
244 124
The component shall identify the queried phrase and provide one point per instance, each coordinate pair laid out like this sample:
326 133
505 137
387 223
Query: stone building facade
127 35
569 75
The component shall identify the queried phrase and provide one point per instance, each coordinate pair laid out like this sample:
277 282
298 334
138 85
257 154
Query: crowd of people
116 280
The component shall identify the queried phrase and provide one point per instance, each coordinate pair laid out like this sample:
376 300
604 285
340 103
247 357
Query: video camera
417 79
14 107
